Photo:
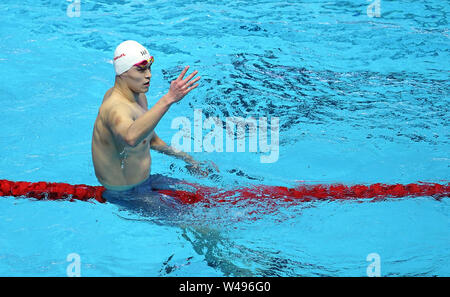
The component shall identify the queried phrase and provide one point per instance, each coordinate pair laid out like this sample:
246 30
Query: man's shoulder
112 100
113 107
107 95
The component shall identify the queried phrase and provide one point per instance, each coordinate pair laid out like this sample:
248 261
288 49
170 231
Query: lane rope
302 192
51 191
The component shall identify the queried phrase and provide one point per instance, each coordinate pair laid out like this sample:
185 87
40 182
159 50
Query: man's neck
125 91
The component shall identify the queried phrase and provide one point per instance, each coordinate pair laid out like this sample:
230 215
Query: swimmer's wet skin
123 188
124 131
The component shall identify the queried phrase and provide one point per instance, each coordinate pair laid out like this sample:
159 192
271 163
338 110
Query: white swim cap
127 54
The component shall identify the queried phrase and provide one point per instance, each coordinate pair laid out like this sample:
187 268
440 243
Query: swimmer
124 131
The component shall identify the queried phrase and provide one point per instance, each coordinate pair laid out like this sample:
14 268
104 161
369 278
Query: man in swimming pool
124 131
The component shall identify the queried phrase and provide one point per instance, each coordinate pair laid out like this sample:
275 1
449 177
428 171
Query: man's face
138 78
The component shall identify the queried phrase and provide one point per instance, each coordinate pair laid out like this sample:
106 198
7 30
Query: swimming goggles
143 63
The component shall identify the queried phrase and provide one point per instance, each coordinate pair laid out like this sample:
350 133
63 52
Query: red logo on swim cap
122 55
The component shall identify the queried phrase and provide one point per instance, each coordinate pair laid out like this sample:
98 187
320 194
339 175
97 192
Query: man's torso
114 162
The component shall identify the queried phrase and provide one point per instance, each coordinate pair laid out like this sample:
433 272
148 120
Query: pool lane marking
301 193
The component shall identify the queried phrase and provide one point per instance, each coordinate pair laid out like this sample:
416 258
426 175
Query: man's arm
179 88
193 166
159 145
133 132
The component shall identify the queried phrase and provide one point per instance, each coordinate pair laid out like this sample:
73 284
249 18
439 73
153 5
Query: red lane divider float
51 191
304 193
55 191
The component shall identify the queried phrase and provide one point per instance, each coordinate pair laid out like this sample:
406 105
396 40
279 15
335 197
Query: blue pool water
360 100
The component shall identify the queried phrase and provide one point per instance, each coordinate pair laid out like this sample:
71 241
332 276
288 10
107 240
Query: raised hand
181 87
